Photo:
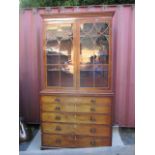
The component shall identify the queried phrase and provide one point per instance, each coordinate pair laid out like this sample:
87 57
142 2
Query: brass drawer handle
58 141
57 117
92 119
57 100
92 109
58 128
73 137
93 130
57 108
93 143
93 100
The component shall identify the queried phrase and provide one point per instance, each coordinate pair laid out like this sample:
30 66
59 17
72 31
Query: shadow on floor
127 135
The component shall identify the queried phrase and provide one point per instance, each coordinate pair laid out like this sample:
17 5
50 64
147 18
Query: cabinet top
78 14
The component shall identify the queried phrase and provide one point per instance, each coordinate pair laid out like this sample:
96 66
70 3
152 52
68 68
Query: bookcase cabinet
77 93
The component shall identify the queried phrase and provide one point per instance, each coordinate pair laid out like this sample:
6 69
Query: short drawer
57 99
52 140
73 141
78 129
94 100
86 141
93 108
93 118
68 107
58 117
76 118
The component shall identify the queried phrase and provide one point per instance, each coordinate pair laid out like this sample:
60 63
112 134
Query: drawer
58 117
68 107
93 108
80 100
78 129
76 118
73 141
93 118
94 100
58 99
86 141
52 140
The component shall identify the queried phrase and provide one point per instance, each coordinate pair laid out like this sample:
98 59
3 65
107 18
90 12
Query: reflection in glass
102 28
53 75
86 28
86 54
67 69
67 75
101 79
52 59
86 75
52 47
66 53
101 76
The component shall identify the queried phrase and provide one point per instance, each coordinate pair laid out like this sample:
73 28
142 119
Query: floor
123 143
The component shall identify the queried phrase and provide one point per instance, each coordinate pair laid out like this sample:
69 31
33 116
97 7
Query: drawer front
93 108
58 128
58 117
93 141
57 140
75 99
76 118
93 119
68 107
73 141
78 129
58 99
94 100
93 130
71 107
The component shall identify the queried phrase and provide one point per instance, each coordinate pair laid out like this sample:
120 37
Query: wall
123 47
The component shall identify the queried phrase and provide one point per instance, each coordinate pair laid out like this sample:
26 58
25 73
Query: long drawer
76 107
73 141
72 99
78 129
76 118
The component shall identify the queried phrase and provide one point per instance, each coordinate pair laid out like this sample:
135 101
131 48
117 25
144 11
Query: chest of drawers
75 121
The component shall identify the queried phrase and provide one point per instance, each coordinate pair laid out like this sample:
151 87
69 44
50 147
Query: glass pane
86 75
102 53
86 28
87 50
66 53
52 47
67 72
53 75
102 28
52 59
101 76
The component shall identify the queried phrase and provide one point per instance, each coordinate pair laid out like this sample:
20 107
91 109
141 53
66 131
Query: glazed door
78 54
94 54
59 55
